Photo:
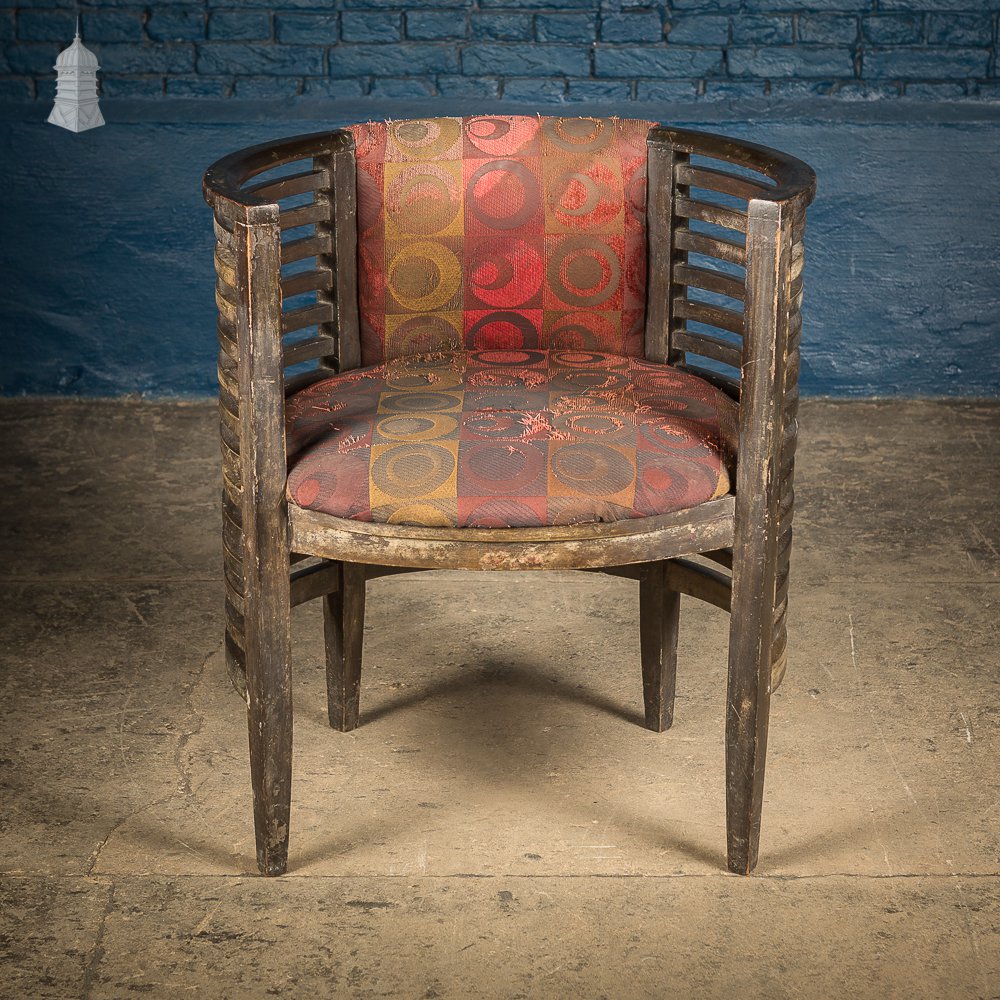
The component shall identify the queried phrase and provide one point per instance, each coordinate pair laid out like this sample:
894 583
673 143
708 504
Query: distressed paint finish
549 51
748 532
126 307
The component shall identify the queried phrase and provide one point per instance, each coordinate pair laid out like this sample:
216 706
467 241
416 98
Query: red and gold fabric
509 438
501 232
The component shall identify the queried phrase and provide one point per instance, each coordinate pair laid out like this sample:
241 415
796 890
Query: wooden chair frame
732 552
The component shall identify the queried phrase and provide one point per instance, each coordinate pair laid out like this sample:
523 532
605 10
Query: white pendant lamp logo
76 106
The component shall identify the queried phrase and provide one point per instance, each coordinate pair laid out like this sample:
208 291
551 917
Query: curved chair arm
699 238
793 179
225 180
252 320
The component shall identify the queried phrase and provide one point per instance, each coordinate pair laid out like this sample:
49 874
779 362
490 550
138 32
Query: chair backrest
501 232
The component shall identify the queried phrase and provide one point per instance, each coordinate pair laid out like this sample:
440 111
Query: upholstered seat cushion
509 439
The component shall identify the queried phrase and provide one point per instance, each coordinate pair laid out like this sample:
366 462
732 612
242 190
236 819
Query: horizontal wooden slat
229 408
226 335
235 607
789 433
721 181
787 464
710 246
225 231
236 665
227 309
700 582
781 593
303 215
232 524
314 581
229 429
232 472
227 292
790 404
702 312
792 364
794 330
724 557
708 347
784 544
233 570
307 281
711 281
778 644
637 571
778 625
728 384
716 215
232 541
228 391
234 647
798 259
308 246
786 497
305 379
298 319
308 350
290 185
225 266
375 572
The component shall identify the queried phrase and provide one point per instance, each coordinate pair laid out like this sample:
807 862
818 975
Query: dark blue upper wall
580 50
106 245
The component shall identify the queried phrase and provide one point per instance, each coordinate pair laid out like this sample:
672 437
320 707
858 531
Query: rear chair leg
659 612
343 625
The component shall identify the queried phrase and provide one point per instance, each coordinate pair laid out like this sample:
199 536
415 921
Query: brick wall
527 51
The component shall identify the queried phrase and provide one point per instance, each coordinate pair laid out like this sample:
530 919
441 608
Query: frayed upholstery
509 439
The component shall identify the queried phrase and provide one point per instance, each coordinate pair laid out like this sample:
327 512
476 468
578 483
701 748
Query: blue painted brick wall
545 51
893 101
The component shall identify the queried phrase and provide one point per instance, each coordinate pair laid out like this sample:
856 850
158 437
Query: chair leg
343 626
748 708
659 612
269 717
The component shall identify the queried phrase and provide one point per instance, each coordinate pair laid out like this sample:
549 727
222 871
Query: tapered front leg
269 716
267 629
659 612
748 709
344 625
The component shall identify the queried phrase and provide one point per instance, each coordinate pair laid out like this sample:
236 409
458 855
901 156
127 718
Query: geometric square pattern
517 438
501 232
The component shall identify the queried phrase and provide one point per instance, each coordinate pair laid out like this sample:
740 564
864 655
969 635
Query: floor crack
96 955
184 772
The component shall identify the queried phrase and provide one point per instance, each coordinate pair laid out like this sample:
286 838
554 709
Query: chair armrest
249 220
700 239
225 182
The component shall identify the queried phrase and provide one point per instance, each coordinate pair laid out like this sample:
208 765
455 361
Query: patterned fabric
501 232
509 439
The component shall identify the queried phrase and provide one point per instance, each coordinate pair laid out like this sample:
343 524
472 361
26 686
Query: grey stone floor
500 825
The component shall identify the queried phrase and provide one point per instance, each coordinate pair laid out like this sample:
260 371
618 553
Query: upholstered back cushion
501 232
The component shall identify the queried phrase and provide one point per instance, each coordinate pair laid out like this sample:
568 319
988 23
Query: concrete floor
500 825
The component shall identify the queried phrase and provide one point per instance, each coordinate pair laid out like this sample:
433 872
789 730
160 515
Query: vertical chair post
659 612
754 547
661 190
267 599
340 198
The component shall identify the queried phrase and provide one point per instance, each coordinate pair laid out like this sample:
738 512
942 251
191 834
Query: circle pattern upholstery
509 438
501 231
